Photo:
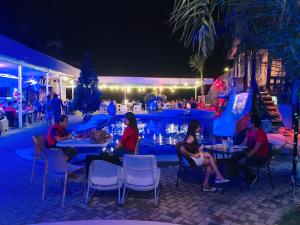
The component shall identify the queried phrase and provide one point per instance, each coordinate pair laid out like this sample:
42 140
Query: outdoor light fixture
159 88
5 75
31 81
226 69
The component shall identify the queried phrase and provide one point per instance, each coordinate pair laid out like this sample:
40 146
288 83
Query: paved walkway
20 200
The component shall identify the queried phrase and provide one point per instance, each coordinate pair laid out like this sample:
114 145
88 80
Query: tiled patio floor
21 200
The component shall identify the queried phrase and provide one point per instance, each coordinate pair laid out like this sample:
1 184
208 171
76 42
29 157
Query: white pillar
20 109
72 83
60 87
47 84
125 92
196 94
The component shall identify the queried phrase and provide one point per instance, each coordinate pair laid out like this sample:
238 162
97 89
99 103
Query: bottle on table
74 136
230 144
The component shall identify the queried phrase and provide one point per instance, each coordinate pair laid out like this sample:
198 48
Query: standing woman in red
127 143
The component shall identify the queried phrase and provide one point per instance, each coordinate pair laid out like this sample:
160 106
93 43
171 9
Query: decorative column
72 85
47 84
60 87
125 92
196 93
20 108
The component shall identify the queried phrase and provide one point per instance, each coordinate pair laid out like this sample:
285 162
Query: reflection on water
158 132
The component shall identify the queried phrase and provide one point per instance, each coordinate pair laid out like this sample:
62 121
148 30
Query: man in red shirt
58 132
257 142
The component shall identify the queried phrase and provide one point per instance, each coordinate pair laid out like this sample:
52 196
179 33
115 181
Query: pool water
159 134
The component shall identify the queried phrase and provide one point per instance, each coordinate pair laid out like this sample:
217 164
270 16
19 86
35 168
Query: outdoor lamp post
295 122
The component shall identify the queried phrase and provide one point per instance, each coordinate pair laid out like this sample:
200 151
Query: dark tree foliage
87 94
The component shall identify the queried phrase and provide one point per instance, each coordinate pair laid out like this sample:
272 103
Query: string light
155 88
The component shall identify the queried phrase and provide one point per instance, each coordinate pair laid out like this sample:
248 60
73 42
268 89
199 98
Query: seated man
58 132
257 142
9 108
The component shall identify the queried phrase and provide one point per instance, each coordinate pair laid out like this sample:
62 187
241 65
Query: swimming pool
161 131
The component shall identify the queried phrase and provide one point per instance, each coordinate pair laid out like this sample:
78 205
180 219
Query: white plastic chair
141 174
39 147
104 176
57 167
137 146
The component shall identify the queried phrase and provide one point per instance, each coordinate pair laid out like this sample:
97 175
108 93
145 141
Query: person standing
38 109
56 106
48 110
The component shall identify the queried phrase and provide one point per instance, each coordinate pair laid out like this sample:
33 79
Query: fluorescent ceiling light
5 75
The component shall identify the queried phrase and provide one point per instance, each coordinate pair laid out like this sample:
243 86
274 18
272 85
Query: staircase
272 109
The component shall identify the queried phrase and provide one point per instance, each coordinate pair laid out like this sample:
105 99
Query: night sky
123 37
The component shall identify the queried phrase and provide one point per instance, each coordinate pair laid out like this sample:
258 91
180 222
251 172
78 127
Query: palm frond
194 19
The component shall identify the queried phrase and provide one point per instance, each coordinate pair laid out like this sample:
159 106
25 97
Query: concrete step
271 107
277 121
272 110
267 98
269 103
264 93
274 116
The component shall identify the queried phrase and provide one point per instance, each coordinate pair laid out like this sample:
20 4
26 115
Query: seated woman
191 148
130 137
126 145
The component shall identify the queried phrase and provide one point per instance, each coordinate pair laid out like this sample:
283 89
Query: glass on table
224 142
74 136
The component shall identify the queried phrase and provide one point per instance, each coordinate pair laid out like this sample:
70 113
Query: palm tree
272 25
197 64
